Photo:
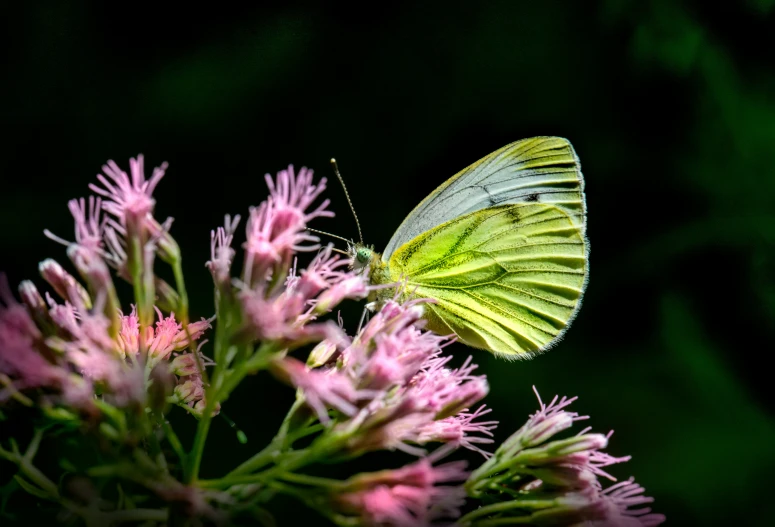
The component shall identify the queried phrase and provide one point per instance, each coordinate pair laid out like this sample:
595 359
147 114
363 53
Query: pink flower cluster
277 228
411 496
190 389
391 389
160 341
22 366
69 353
388 387
279 304
562 474
85 345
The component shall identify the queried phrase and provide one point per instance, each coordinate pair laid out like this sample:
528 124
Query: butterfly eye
363 255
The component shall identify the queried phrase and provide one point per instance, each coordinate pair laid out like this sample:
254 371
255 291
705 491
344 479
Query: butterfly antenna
347 195
329 234
348 242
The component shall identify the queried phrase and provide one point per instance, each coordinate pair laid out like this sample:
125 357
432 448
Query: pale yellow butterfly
500 247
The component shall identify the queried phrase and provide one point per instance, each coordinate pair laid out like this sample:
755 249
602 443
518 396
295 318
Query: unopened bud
546 429
64 284
321 354
36 306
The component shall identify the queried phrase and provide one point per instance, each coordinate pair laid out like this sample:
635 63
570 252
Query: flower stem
136 515
202 429
281 441
30 471
502 507
174 441
180 285
312 481
217 392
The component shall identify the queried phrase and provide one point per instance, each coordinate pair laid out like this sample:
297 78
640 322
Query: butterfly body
500 248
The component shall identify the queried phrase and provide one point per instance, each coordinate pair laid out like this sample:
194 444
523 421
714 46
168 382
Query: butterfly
500 248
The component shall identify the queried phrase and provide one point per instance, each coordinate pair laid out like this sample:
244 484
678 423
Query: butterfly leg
367 309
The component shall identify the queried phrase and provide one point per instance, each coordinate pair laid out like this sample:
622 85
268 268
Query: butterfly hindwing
507 278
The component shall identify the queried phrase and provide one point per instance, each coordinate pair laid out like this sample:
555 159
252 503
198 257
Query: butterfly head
360 256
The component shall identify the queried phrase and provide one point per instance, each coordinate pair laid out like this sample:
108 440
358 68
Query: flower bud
184 365
546 428
64 284
167 298
321 354
36 306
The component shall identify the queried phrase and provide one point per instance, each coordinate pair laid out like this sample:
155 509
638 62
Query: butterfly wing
507 278
536 170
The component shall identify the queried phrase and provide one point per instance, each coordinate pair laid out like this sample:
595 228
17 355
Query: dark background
669 105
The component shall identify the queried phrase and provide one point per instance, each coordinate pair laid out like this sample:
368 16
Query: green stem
180 285
285 463
174 441
156 451
511 520
312 481
288 462
137 515
258 361
505 506
32 449
257 461
136 261
281 441
32 473
11 389
482 477
202 429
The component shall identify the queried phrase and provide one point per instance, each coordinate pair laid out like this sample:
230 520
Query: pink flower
20 345
190 389
221 253
409 496
321 388
64 316
95 272
619 499
283 318
548 420
89 228
402 387
14 316
167 336
406 413
96 356
448 391
458 430
276 229
35 304
130 201
64 284
562 475
323 272
190 392
351 287
186 364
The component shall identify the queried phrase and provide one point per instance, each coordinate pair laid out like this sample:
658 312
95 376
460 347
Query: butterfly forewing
536 170
507 278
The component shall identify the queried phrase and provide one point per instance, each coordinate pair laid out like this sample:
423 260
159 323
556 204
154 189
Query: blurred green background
671 109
